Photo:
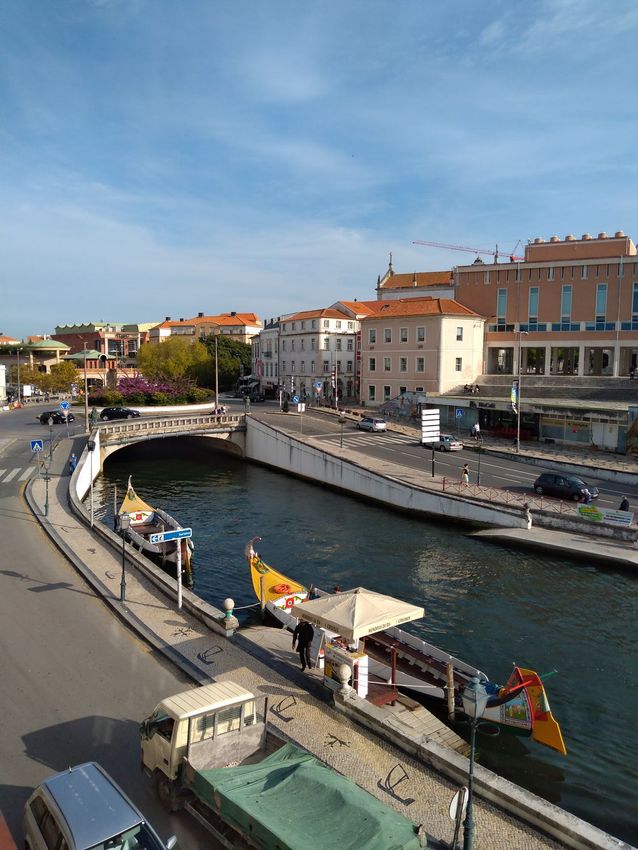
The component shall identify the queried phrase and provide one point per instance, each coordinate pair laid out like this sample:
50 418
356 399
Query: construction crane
496 254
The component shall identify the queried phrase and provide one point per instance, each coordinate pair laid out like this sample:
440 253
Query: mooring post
450 690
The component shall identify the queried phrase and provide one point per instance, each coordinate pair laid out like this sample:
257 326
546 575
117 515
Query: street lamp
474 702
86 395
124 525
216 378
478 471
47 477
518 390
50 424
342 422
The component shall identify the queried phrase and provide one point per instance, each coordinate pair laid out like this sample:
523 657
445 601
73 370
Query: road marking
27 472
12 474
2 472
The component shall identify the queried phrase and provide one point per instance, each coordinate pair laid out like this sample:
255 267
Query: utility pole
86 395
216 378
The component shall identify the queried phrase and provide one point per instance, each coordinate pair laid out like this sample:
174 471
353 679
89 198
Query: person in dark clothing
624 505
302 636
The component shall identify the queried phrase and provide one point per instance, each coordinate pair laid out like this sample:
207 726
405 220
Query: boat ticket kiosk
337 653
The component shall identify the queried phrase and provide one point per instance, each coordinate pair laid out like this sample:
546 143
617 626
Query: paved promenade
298 701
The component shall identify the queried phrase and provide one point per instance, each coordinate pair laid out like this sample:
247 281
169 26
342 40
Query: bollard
450 690
443 482
229 604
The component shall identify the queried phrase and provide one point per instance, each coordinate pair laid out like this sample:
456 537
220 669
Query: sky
161 158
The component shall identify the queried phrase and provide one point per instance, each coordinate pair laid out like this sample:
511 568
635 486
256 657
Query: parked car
564 486
371 423
445 443
58 417
118 413
81 808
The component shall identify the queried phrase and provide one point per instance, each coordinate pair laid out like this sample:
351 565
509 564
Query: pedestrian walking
73 462
465 475
624 505
302 636
528 515
587 497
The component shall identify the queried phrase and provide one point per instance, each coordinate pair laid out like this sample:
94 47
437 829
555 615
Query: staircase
563 387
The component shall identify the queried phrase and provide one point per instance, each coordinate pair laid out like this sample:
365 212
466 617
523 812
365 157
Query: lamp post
478 471
47 465
518 391
124 524
86 395
90 445
342 422
474 702
50 424
18 354
216 377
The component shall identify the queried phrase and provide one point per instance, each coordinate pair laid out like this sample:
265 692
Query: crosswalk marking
2 472
20 473
27 472
12 474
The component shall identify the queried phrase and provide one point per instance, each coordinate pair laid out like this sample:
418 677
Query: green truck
211 752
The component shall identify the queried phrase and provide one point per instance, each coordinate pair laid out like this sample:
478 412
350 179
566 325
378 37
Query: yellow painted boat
278 592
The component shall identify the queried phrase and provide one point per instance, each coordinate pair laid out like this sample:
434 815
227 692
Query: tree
62 376
232 357
174 359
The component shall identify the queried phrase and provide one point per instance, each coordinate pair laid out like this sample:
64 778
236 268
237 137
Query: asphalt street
75 682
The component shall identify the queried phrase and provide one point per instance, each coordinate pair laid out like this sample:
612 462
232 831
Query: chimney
200 315
233 313
167 319
181 320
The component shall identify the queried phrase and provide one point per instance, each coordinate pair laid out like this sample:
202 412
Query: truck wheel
167 793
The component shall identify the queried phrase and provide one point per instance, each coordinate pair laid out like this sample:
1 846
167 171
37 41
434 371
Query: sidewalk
299 707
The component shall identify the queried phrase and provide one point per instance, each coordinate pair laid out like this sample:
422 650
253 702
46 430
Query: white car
371 423
445 443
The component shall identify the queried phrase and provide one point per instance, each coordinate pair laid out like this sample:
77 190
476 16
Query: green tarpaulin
291 801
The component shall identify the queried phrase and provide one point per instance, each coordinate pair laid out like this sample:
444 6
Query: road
517 476
75 681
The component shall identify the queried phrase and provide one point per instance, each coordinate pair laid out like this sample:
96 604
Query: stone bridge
229 430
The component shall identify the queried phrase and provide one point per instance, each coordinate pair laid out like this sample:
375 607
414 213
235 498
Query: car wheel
104 418
166 792
539 490
130 416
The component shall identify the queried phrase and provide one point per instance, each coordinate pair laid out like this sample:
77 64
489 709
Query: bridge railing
181 422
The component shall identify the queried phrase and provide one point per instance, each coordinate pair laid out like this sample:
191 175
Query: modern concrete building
114 339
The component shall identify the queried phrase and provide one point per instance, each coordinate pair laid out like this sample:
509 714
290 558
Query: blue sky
161 158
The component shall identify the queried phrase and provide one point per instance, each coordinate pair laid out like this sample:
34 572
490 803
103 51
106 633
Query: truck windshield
141 837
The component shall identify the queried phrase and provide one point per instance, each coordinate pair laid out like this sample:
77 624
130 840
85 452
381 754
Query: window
532 307
350 344
350 326
402 390
312 366
550 273
303 344
294 326
403 334
583 272
303 326
566 304
372 364
387 334
387 364
326 343
601 304
634 304
314 324
372 336
338 325
501 306
228 720
338 343
283 345
420 334
283 327
372 393
303 366
403 364
418 389
387 391
283 367
529 274
293 366
326 323
459 334
313 343
562 272
486 277
51 832
458 364
292 344
326 366
349 367
420 364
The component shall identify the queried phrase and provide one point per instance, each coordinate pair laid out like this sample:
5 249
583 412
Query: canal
489 605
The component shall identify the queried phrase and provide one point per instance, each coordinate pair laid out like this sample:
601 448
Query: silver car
371 423
81 808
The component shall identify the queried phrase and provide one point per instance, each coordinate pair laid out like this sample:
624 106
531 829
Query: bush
198 395
106 398
285 406
160 399
136 397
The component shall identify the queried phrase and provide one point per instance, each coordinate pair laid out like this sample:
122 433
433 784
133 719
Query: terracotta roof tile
421 307
423 279
324 313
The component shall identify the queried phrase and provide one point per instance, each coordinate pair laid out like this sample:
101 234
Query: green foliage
198 395
106 398
232 356
136 398
160 399
176 358
285 406
62 376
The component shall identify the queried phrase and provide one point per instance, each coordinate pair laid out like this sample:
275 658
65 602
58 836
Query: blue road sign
295 399
318 385
64 405
459 412
37 445
163 536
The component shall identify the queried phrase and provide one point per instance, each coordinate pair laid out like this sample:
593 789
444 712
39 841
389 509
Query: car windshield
576 482
138 838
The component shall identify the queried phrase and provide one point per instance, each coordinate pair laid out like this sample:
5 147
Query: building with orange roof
436 284
239 326
419 345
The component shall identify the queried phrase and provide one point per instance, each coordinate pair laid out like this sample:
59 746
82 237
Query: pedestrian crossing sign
37 445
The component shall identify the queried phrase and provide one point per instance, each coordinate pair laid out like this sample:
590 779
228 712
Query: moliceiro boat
145 522
520 706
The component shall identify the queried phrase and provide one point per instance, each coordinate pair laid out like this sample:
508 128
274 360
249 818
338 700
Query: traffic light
333 378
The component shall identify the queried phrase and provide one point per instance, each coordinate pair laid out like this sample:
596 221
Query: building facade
569 308
118 340
393 286
240 326
420 345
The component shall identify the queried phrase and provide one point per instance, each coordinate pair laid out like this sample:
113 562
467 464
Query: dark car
58 417
564 486
118 413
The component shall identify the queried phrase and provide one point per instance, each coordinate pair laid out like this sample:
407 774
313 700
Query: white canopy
353 614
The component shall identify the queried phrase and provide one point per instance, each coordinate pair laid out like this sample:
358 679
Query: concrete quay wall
270 447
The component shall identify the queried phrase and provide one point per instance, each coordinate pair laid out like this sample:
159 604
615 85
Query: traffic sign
430 425
64 405
295 399
164 536
37 445
459 412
